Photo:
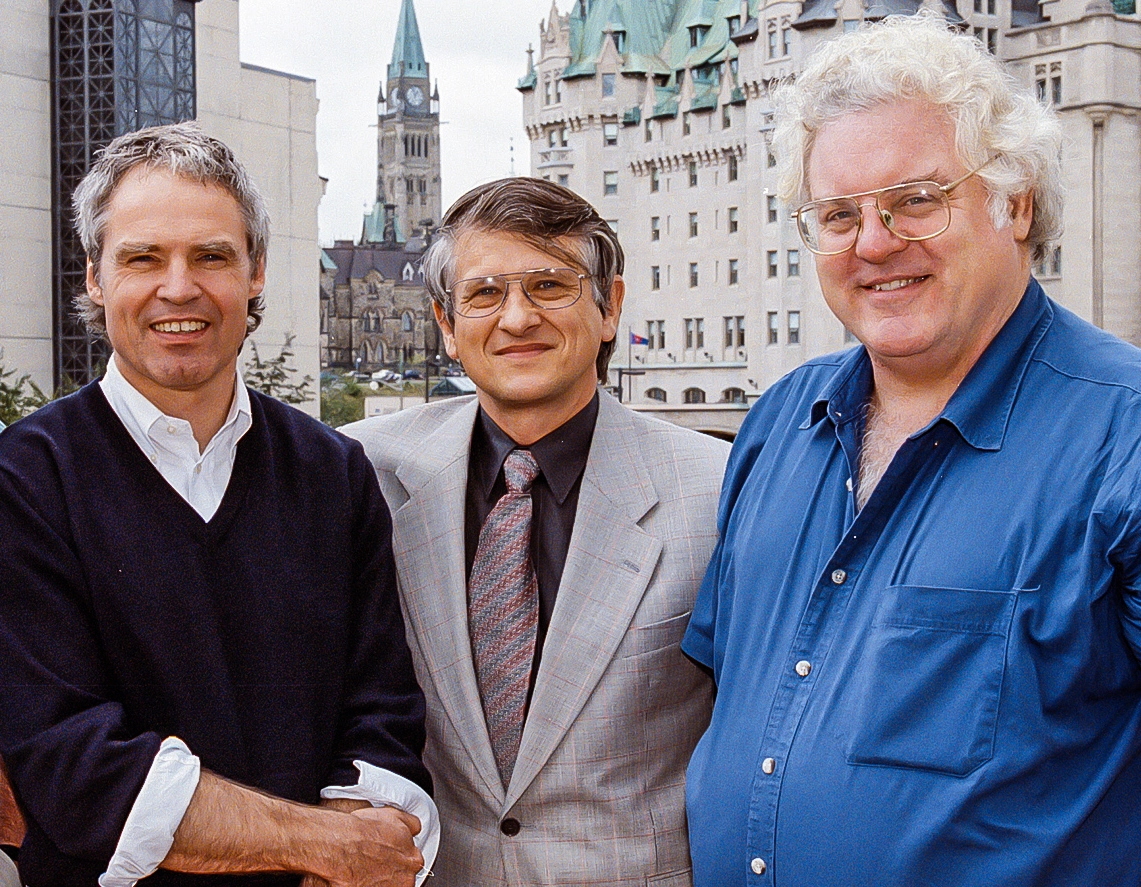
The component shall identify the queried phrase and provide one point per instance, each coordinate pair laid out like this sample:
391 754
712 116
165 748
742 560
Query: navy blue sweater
269 639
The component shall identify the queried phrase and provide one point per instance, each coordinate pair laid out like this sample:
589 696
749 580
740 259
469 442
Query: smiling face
175 280
928 307
533 368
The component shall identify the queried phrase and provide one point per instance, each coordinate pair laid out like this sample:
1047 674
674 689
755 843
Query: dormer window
619 38
696 35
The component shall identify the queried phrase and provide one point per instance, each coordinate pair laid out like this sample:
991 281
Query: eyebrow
141 248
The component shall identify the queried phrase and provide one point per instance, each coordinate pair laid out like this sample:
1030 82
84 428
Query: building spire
407 51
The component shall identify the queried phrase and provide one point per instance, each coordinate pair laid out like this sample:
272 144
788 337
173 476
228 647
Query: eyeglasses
911 211
546 288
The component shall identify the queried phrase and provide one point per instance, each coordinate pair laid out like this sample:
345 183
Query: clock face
415 96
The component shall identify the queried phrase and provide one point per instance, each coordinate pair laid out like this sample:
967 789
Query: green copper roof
372 231
407 51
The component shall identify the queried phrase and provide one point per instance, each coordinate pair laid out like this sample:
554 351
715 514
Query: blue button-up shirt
943 688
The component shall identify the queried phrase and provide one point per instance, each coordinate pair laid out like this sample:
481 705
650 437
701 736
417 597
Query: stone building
76 73
375 310
660 115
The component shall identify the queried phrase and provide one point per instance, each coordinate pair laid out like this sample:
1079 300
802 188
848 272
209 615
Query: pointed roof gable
407 51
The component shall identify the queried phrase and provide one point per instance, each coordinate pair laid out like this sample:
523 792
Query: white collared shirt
201 479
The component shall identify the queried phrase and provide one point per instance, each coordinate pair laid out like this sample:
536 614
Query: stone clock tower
408 150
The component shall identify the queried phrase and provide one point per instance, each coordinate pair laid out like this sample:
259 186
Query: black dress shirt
554 496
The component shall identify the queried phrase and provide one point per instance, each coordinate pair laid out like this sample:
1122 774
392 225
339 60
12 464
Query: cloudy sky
475 51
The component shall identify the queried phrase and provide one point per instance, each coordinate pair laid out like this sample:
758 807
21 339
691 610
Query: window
692 274
733 395
1051 264
992 40
771 204
794 263
546 90
734 272
656 394
773 327
785 40
689 330
406 322
655 179
772 39
1056 83
732 167
693 395
700 333
693 224
610 183
656 333
564 180
733 220
656 228
794 328
608 85
559 91
851 24
693 173
619 41
773 262
649 130
696 35
655 277
726 116
686 126
609 134
613 223
735 332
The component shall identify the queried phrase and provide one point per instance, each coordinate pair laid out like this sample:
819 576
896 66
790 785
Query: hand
378 850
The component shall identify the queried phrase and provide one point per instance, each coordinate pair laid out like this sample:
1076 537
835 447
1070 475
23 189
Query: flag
635 339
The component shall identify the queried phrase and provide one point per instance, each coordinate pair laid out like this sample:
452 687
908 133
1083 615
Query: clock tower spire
408 133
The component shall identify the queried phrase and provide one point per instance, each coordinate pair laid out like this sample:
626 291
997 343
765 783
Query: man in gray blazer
574 774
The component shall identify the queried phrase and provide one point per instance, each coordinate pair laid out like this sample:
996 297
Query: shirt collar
561 454
140 416
980 408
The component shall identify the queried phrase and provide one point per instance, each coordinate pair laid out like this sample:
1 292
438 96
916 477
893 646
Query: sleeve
382 715
382 788
75 761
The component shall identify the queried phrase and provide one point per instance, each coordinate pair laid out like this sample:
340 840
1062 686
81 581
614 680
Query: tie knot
520 471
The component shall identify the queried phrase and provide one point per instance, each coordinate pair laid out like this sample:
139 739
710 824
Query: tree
274 375
19 397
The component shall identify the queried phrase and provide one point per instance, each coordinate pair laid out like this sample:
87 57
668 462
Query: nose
518 313
875 241
178 283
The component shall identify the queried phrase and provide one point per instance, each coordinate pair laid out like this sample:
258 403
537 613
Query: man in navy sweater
203 668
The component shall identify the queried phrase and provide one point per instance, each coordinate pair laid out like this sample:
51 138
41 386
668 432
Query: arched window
693 395
657 394
733 395
406 322
370 321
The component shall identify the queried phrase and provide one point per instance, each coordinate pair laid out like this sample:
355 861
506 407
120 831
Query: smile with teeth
180 326
895 284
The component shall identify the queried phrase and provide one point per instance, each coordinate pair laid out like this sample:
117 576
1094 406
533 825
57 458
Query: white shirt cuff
383 788
157 812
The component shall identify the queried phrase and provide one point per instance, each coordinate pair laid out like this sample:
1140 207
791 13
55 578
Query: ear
257 279
610 318
447 331
1022 214
94 290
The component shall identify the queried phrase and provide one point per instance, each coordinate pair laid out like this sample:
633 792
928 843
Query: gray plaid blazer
597 796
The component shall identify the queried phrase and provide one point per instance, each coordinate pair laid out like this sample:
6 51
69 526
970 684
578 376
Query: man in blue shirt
923 613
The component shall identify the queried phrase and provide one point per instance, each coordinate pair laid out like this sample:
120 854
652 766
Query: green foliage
18 397
342 400
275 377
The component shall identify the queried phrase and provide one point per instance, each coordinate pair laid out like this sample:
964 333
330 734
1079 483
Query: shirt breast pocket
927 686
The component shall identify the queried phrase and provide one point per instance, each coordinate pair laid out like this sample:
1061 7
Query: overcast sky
475 51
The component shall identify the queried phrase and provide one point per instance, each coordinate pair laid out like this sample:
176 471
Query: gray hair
549 217
921 57
184 150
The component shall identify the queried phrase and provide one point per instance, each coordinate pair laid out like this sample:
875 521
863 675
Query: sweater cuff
155 816
383 788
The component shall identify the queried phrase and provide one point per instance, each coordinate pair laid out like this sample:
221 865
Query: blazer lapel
428 541
609 565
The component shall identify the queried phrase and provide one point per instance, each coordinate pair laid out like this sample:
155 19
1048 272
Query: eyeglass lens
914 211
547 288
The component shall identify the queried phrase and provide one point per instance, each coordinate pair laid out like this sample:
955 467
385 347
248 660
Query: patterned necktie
503 611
